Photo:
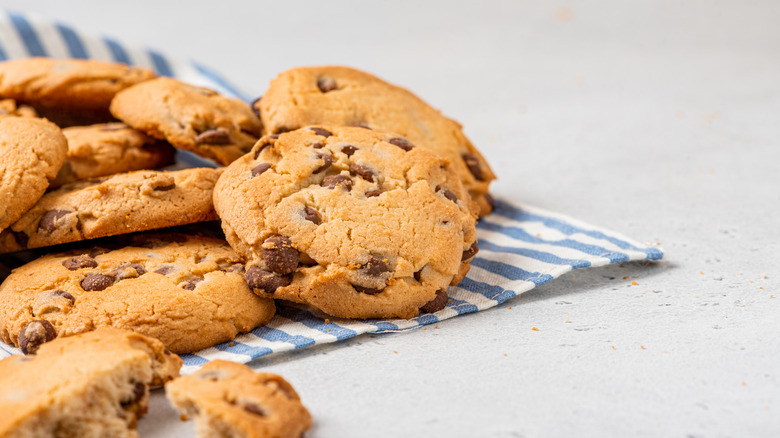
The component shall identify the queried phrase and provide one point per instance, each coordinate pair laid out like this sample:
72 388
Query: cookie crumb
534 329
634 283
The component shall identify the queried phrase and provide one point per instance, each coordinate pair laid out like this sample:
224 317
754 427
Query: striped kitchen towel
521 246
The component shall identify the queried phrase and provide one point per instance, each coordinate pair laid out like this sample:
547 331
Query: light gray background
655 119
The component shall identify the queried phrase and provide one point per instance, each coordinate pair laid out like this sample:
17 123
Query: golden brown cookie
230 400
192 118
186 291
68 91
108 148
357 223
344 96
120 204
8 107
32 150
91 385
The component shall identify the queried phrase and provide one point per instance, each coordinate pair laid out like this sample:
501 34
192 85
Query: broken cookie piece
230 399
94 384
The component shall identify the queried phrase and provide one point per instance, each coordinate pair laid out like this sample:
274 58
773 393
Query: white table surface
656 119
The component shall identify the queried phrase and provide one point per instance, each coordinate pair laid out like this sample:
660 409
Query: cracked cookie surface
108 148
189 117
91 385
230 399
344 96
120 204
32 151
357 223
186 291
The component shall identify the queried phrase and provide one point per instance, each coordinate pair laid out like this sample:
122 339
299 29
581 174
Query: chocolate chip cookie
345 96
187 291
120 204
91 385
229 399
357 223
108 148
68 91
192 118
32 151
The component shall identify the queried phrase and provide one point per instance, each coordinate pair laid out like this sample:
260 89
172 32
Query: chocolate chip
191 283
164 270
165 188
471 252
361 125
363 171
266 143
49 220
327 162
254 409
319 131
268 282
317 145
34 334
418 275
366 290
121 274
96 282
139 390
375 266
213 136
275 136
212 375
79 262
341 181
349 149
260 168
311 215
449 195
437 303
166 352
472 162
372 193
279 255
256 106
326 83
402 143
21 238
67 296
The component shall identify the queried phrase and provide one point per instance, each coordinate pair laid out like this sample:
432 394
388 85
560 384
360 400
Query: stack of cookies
339 191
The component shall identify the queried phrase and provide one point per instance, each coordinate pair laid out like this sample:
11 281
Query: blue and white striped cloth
521 247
